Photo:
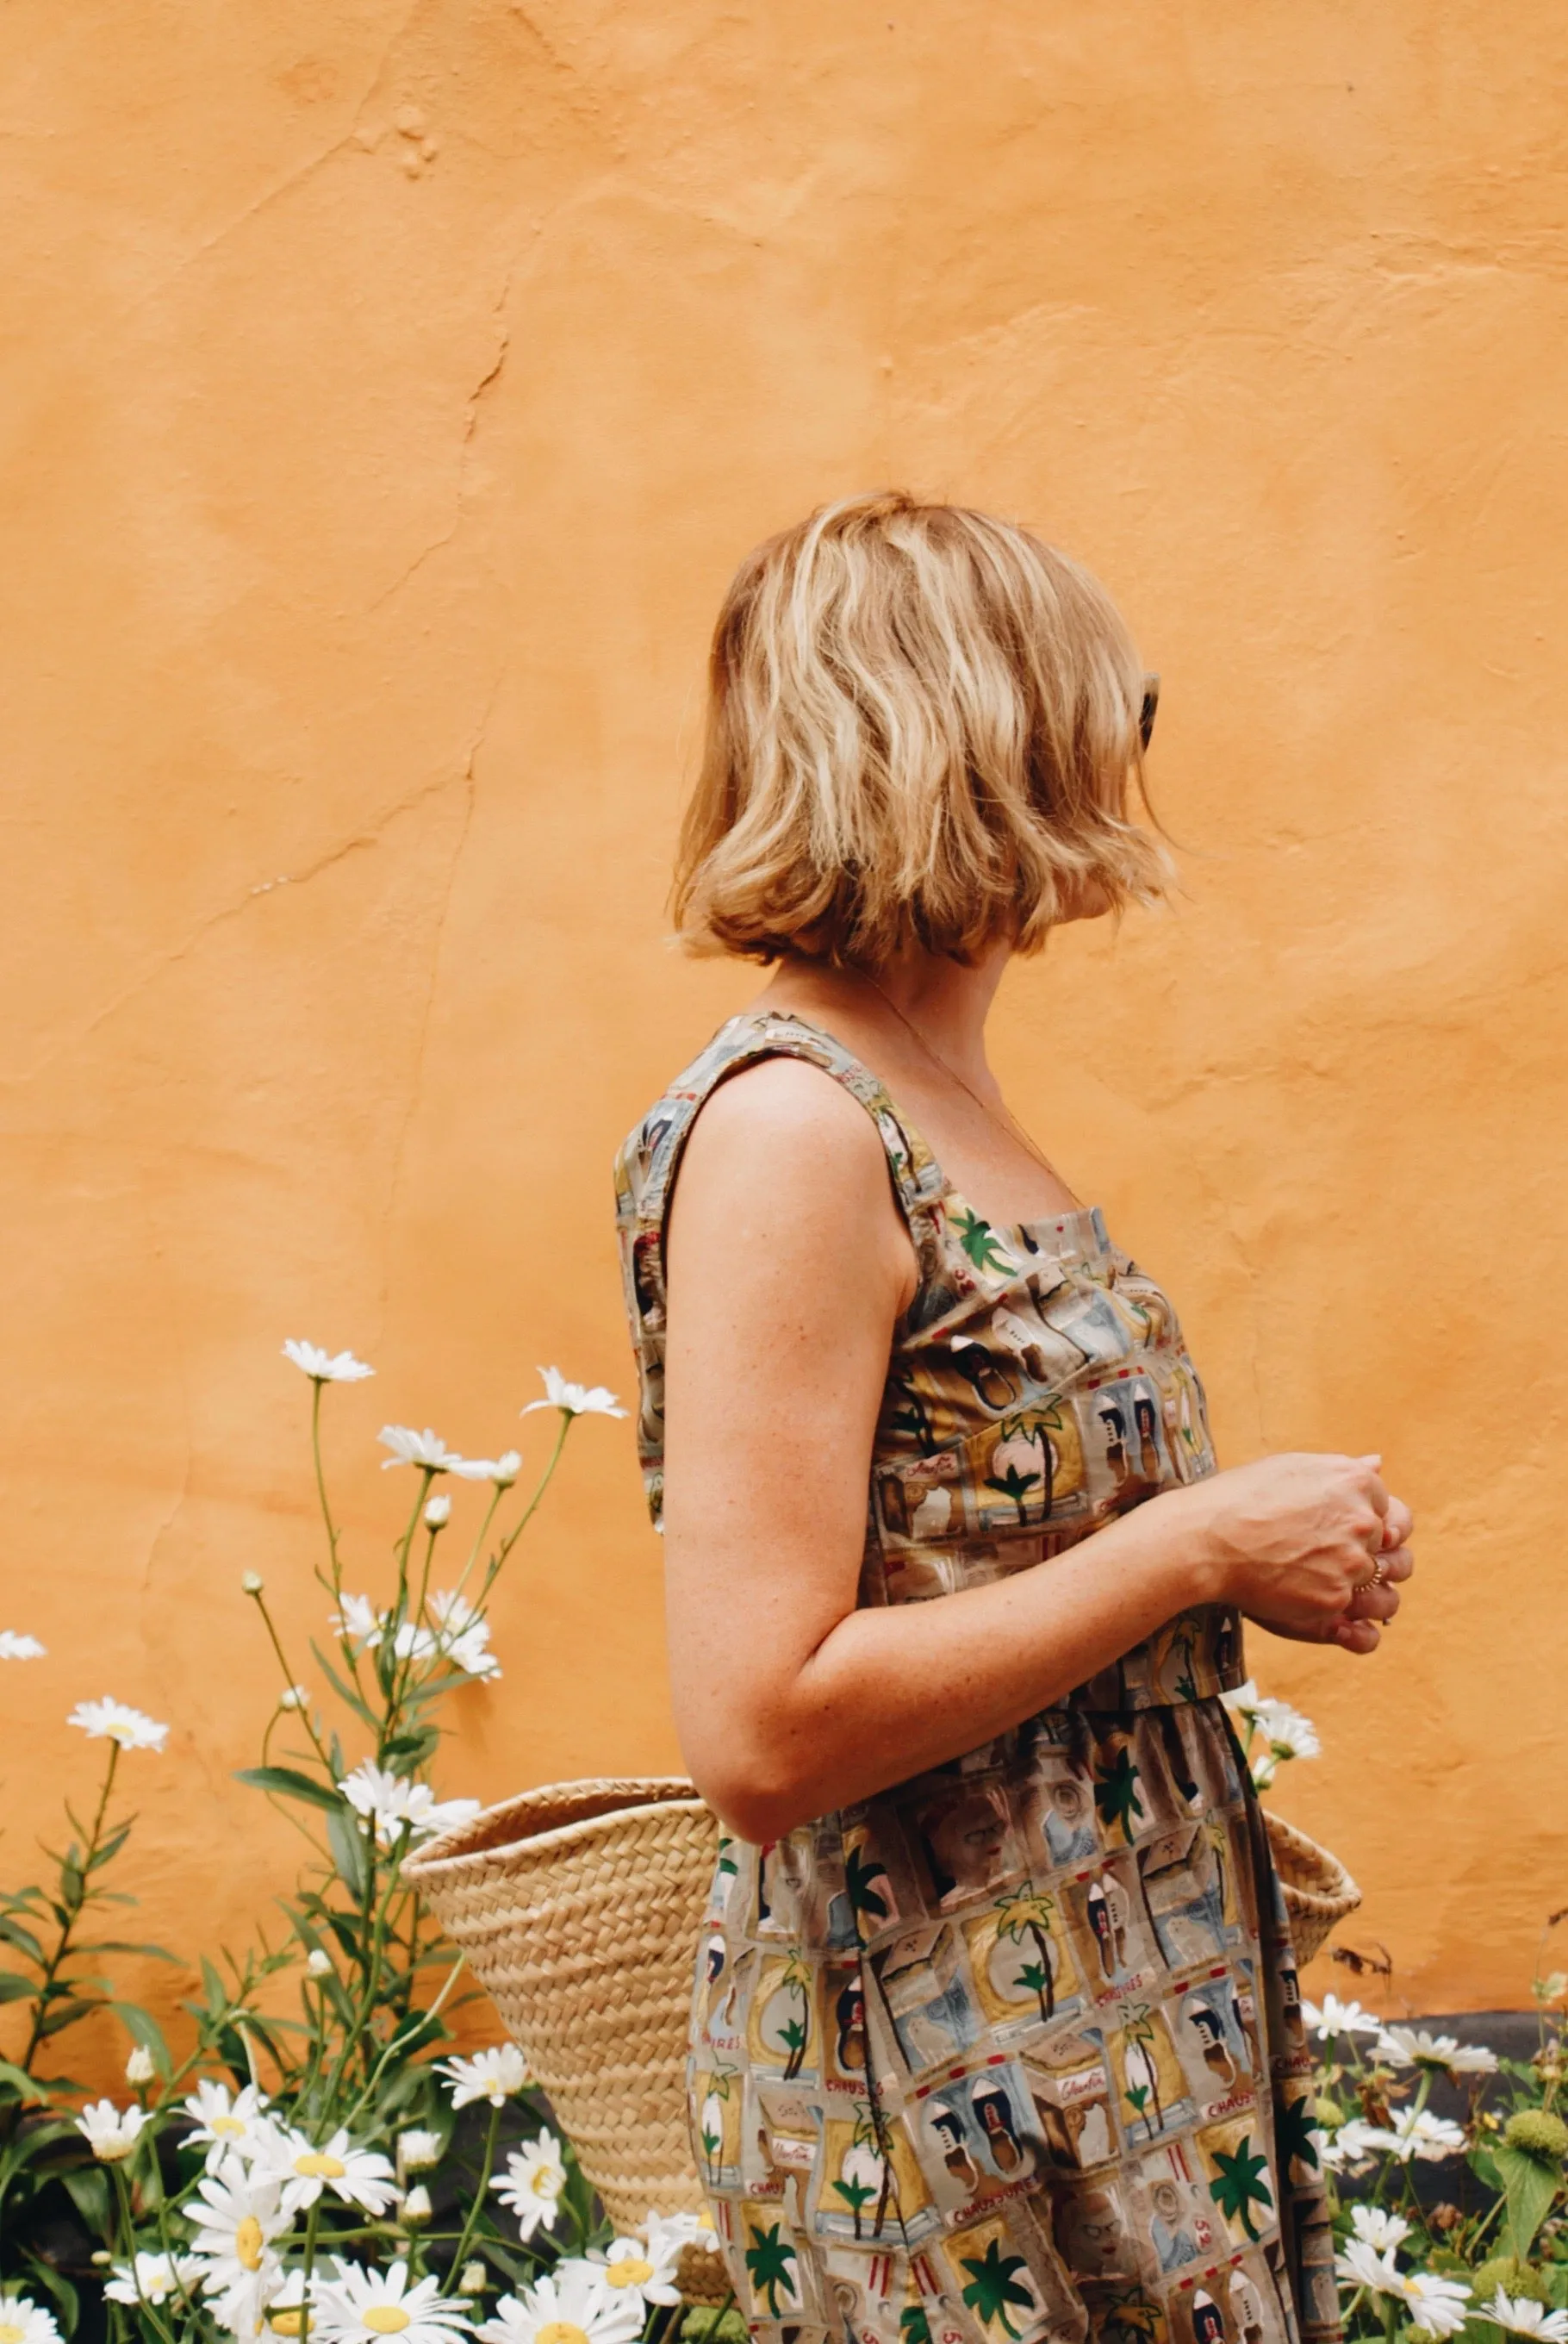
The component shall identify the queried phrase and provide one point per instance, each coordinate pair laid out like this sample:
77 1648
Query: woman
948 1555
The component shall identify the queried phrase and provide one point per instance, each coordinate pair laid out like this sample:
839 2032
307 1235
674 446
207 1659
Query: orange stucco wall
390 391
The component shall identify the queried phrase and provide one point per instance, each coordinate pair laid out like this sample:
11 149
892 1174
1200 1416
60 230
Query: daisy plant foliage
316 2158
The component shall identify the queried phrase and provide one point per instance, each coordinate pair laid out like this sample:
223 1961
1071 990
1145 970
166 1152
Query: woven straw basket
1319 1891
579 1908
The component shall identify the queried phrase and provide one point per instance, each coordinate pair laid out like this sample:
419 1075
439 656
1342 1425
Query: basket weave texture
1319 1891
579 1907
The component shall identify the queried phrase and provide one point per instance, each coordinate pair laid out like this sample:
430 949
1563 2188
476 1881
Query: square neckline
1063 1225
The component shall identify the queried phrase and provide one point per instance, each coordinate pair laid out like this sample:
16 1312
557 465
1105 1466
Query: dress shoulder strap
649 1158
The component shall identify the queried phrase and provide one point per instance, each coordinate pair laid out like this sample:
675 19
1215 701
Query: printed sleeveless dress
1013 2051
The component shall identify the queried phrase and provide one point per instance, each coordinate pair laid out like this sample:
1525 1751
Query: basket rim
450 1855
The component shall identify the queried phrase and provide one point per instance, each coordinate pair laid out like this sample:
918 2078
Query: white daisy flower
532 2184
502 1470
110 2132
360 2177
567 2305
113 1721
236 2216
360 1622
363 2307
425 1449
154 2278
665 2232
463 1634
418 2151
1378 2228
230 2123
573 1399
1288 1734
1331 2017
391 1805
1435 2303
1417 2133
1523 2318
284 2312
636 2271
412 1642
1360 2264
16 1647
1351 2149
23 2322
1242 1700
1409 2047
327 1367
495 2074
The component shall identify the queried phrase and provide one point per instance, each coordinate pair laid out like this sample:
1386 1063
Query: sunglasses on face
1146 713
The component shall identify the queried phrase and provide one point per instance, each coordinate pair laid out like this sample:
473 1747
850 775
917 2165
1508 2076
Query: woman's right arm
789 1266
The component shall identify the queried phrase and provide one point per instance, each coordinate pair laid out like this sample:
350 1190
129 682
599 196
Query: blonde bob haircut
923 731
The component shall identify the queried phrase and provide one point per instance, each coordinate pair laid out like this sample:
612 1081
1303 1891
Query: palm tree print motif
979 1241
1116 1798
1025 1913
989 1456
771 2259
860 1878
796 2030
1238 2185
1141 2068
993 2289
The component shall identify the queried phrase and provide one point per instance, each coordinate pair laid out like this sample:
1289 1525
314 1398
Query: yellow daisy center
229 2127
248 2242
385 2318
560 2331
10 2333
631 2271
546 2182
290 2321
316 2165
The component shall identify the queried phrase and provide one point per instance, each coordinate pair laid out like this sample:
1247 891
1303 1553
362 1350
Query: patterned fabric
1014 2050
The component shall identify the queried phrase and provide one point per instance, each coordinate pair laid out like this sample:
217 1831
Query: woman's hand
1293 1541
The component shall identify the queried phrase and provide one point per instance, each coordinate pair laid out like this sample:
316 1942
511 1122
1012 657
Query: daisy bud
102 2258
473 2280
437 1513
416 2207
317 1962
139 2068
293 1697
253 1583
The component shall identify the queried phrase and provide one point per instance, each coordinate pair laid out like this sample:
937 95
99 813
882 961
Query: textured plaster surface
391 389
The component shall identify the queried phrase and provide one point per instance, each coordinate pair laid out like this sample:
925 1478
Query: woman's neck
944 1001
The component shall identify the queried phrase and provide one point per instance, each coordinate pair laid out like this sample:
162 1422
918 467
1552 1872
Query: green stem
480 1535
52 1967
290 1680
311 2220
487 2168
127 2224
402 2044
509 1542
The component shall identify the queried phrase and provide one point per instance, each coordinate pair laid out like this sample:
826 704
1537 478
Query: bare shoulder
788 1116
782 1151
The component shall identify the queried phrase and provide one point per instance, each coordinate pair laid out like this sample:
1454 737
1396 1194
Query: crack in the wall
417 1084
161 962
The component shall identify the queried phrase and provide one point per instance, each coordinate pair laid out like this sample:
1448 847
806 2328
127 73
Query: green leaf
1529 2186
88 2185
67 2014
15 1988
144 2027
26 2087
57 2284
287 1782
23 1939
344 1690
348 1849
124 1945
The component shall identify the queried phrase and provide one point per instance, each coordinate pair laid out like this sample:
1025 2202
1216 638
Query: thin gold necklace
1012 1127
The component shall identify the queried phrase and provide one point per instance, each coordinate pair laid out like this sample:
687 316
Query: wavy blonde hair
922 729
